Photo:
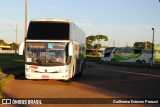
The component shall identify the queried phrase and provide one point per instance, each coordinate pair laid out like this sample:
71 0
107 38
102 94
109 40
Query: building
5 49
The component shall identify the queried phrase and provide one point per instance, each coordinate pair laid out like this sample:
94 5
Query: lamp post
152 47
16 30
26 13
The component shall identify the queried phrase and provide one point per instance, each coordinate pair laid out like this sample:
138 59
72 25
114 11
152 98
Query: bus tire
81 70
73 72
138 61
69 80
84 64
113 60
143 62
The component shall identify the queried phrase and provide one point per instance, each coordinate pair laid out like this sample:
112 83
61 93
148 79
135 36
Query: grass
9 62
1 72
3 83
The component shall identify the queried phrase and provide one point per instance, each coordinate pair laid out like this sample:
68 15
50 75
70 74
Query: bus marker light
45 76
35 67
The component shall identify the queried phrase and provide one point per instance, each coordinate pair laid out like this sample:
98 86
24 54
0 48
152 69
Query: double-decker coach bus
54 49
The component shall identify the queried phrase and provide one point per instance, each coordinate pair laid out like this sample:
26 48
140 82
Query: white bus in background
108 54
54 49
114 54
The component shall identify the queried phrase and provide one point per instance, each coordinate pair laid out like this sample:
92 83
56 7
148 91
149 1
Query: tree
89 41
143 45
14 46
93 42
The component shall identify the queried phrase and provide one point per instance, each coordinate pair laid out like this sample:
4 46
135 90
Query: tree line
93 42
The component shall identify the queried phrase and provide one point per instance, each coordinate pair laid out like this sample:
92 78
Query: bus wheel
143 61
71 75
68 80
73 72
138 61
81 70
113 60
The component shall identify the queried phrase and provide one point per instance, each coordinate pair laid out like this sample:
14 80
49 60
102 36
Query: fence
7 51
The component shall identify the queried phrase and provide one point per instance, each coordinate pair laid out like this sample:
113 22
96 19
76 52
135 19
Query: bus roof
52 19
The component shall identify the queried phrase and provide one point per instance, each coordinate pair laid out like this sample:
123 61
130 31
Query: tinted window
137 51
48 31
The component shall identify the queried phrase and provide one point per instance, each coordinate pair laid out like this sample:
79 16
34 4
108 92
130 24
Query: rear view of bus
49 50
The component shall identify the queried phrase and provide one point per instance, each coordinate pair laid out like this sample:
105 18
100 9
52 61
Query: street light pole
152 47
16 31
16 36
26 13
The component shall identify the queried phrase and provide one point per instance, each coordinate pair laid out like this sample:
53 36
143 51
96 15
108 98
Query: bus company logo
6 101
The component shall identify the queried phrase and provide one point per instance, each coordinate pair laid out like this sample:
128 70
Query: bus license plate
45 76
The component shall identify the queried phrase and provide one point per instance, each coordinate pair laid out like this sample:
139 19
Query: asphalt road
98 81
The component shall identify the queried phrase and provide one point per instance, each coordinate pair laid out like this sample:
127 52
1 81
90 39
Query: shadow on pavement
18 74
124 84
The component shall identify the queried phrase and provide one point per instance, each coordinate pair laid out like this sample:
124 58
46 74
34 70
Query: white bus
115 54
54 49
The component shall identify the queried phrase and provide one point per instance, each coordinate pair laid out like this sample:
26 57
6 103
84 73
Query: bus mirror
21 48
70 49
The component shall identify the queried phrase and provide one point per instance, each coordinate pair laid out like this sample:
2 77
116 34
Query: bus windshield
108 50
49 54
40 30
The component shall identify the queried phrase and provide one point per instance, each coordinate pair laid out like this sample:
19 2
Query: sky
123 21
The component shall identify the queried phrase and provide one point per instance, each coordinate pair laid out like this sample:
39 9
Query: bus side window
138 51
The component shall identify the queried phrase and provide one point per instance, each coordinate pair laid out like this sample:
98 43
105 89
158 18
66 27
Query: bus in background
157 53
114 54
108 54
54 49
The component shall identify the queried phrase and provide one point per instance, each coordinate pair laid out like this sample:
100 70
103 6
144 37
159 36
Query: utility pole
152 48
16 41
146 44
26 16
17 33
16 37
